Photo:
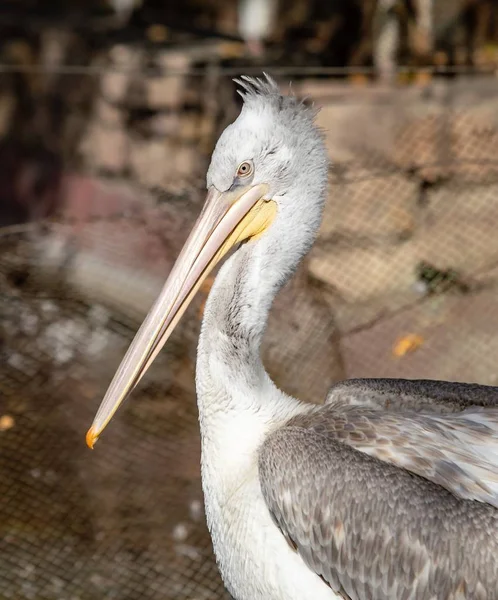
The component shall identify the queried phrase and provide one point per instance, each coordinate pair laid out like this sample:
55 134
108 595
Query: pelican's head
275 143
266 186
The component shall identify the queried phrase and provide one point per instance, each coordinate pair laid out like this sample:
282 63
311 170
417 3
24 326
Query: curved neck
230 373
235 315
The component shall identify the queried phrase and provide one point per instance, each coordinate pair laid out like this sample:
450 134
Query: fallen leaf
6 422
406 344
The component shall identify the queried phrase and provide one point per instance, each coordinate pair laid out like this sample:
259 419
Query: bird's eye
245 169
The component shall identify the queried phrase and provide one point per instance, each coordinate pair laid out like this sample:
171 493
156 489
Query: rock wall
413 189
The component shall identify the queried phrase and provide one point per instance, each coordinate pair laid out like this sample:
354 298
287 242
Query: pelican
388 490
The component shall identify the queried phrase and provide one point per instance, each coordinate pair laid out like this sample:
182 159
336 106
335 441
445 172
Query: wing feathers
390 490
416 395
457 451
369 528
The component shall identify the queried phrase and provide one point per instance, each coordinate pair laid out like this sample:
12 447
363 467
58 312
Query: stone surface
106 148
422 141
166 90
474 140
459 334
375 208
152 162
360 275
458 231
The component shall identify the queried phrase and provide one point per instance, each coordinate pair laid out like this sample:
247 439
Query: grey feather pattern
379 526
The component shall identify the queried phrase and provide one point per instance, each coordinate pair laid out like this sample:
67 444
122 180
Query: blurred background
109 111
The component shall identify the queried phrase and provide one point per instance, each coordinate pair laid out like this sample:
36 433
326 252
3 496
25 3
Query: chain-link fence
401 283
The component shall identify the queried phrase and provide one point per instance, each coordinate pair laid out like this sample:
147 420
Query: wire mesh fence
401 283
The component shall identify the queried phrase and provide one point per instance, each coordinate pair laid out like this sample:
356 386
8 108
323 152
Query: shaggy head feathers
277 132
265 93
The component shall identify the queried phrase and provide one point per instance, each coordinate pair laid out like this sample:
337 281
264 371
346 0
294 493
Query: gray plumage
371 529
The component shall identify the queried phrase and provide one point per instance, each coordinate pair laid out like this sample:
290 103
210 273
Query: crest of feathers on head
257 92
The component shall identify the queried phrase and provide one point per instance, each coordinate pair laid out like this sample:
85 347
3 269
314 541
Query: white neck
230 377
238 406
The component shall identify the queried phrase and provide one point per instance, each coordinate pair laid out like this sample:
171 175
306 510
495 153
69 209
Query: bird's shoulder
446 433
372 529
412 394
401 483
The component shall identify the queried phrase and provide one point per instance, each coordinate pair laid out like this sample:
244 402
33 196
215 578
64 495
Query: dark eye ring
245 169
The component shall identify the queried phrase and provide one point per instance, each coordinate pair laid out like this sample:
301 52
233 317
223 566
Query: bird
387 490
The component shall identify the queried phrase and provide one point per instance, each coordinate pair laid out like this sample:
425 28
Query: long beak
226 219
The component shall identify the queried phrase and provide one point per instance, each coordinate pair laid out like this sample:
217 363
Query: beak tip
91 437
